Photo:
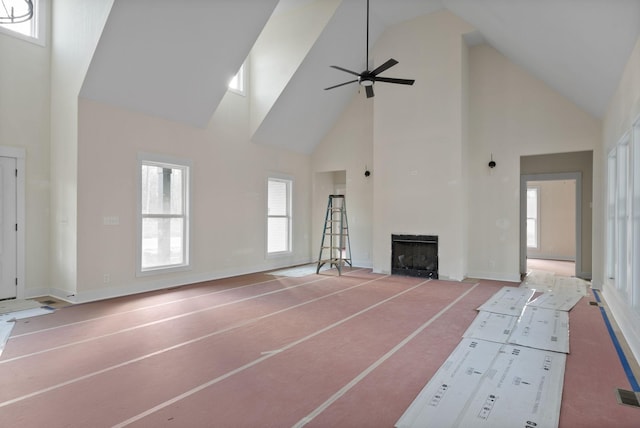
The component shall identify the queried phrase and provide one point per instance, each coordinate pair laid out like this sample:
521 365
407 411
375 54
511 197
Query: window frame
38 27
289 214
174 163
241 76
537 219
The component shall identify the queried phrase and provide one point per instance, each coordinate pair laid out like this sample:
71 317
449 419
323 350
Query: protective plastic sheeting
508 301
560 301
486 384
541 328
492 327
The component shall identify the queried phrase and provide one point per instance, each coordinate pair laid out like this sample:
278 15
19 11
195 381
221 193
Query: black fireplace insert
414 255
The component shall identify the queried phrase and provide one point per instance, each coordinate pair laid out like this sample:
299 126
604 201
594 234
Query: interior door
8 234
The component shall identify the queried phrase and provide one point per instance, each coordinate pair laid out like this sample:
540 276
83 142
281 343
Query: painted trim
156 284
19 154
623 358
42 22
552 257
577 176
538 211
166 161
495 276
289 181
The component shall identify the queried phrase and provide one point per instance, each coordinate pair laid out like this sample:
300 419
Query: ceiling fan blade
390 63
341 84
369 91
394 80
345 70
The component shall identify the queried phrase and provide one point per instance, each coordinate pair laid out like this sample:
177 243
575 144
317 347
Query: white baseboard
627 319
161 282
552 257
495 276
368 264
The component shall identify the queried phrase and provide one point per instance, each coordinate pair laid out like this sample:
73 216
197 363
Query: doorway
8 225
551 221
12 215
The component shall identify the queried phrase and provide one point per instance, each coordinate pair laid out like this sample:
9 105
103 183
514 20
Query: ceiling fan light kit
367 78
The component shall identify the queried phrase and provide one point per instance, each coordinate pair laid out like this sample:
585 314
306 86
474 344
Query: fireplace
414 255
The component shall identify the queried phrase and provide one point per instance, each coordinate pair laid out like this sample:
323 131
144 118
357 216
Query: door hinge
16 282
16 172
16 227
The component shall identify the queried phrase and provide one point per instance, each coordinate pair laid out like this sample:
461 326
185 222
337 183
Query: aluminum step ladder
335 248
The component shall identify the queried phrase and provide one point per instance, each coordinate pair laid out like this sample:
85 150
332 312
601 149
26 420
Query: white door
8 233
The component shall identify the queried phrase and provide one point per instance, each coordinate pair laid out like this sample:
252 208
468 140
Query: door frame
19 154
577 176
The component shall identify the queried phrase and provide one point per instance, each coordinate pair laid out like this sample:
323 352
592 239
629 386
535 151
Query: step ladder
335 248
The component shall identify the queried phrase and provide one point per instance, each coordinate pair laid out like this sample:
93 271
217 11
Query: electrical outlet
106 278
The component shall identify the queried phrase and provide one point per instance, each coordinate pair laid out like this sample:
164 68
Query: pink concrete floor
265 351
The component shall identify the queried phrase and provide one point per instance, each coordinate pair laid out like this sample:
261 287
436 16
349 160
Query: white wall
229 181
280 49
24 123
348 147
76 28
623 110
418 142
512 114
556 221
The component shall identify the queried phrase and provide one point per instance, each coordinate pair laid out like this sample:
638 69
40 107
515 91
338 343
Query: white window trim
19 154
41 14
537 189
289 181
151 158
610 220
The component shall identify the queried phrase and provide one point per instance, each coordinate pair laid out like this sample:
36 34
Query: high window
533 210
164 214
278 215
24 19
237 83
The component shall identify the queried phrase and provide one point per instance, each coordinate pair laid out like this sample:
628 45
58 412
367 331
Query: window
237 83
623 233
611 216
634 254
164 214
621 216
278 215
23 19
533 209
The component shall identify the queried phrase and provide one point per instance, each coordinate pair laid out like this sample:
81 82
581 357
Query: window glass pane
277 204
14 14
162 242
278 215
532 233
278 234
532 203
237 83
162 190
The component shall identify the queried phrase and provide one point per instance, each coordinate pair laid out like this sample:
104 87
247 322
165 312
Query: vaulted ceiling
175 62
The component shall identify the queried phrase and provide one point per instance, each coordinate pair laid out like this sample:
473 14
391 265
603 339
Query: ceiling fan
367 78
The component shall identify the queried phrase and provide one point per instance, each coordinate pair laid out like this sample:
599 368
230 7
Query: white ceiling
578 47
173 62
